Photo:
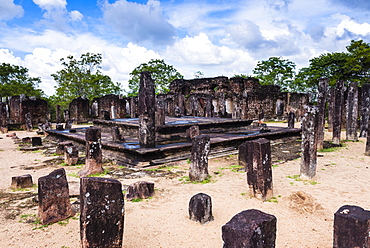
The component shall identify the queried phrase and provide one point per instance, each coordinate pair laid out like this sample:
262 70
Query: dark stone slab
201 146
53 195
20 182
71 155
61 145
94 156
102 212
36 141
351 227
250 229
200 208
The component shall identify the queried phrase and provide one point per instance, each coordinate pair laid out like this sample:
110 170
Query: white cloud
140 23
51 4
9 10
75 16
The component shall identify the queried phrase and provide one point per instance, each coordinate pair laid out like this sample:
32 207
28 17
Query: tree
275 71
161 73
358 62
82 78
199 74
14 80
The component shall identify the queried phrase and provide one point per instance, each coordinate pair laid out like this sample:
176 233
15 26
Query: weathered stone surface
191 132
57 114
102 213
365 110
70 155
337 111
160 112
258 167
36 141
79 110
321 105
27 140
146 108
94 155
24 181
200 208
201 146
250 229
116 135
309 142
352 112
351 227
242 155
53 197
28 118
60 147
140 190
59 127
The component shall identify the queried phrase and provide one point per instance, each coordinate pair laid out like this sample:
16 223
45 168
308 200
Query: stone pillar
250 229
337 112
57 113
160 112
146 108
60 147
352 112
140 190
53 194
279 110
29 125
68 125
20 182
242 155
309 142
116 135
258 167
191 132
94 156
367 147
331 98
351 227
208 108
201 146
321 104
70 155
102 212
291 119
365 110
66 115
200 208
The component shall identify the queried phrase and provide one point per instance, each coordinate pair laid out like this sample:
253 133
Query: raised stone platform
226 135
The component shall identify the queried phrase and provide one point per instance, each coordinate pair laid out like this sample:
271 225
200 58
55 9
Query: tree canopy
82 78
14 80
275 71
161 73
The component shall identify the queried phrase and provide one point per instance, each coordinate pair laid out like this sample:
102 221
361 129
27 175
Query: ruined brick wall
79 110
111 103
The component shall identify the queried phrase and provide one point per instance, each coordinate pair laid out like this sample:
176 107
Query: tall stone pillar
199 158
337 112
146 108
365 110
321 104
352 112
160 111
309 142
94 156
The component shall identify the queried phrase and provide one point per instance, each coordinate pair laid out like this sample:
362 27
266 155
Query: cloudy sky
216 37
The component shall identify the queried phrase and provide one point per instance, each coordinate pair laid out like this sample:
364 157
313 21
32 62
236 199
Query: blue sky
216 37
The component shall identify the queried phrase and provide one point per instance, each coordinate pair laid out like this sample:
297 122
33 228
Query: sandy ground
342 178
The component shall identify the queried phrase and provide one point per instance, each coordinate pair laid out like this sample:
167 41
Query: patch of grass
330 149
186 179
188 161
137 200
274 165
231 155
74 174
37 151
333 164
293 176
323 169
1 150
104 173
273 199
218 173
34 186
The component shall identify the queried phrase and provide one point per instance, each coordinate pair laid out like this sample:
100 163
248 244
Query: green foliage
199 74
14 80
242 75
161 73
276 71
82 78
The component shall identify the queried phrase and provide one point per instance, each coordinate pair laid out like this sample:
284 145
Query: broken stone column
365 110
146 108
309 142
367 147
20 182
60 147
250 229
321 104
28 118
351 227
36 141
140 190
352 112
258 167
201 145
242 155
160 112
291 119
102 212
53 194
70 155
116 135
57 113
337 112
200 208
191 132
94 156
